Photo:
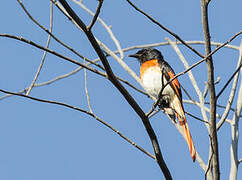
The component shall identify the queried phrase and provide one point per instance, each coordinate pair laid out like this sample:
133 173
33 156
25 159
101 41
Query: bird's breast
152 81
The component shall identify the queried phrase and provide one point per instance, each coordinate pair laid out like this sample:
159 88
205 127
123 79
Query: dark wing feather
169 74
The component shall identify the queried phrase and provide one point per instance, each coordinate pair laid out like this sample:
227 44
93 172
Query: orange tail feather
189 141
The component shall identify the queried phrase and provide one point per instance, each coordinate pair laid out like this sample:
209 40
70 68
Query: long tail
190 143
177 106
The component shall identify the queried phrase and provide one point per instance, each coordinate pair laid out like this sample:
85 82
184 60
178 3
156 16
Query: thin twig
195 117
232 93
45 53
68 75
154 113
186 92
209 55
230 79
178 43
54 37
221 106
205 108
86 90
164 28
108 28
89 27
83 111
53 52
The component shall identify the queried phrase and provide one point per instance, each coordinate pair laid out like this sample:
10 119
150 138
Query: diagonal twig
230 79
52 52
89 27
195 117
45 53
164 28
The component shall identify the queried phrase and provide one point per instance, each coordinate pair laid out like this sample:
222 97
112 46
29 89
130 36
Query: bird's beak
135 55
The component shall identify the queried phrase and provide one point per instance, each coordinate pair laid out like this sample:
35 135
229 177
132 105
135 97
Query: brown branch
164 28
85 112
122 90
211 88
89 27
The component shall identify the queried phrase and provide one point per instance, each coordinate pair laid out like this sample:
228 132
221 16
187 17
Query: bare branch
178 43
122 90
89 27
52 52
186 92
44 55
235 75
85 112
108 29
206 108
209 55
230 79
54 37
195 117
235 135
164 28
211 88
86 90
74 72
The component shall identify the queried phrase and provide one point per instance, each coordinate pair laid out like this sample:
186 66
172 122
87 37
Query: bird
155 72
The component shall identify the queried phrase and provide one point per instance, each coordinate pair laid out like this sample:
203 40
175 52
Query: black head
147 54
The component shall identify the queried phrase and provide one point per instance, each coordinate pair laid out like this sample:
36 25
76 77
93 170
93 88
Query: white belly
153 84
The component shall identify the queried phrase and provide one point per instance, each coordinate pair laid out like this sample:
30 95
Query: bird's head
147 54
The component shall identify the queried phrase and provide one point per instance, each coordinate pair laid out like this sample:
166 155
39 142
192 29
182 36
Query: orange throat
146 65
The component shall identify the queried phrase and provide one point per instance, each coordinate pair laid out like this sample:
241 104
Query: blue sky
43 141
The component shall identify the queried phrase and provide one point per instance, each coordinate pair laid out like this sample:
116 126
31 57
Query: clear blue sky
42 141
